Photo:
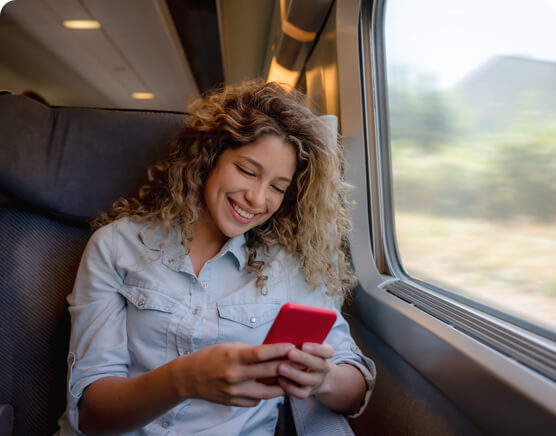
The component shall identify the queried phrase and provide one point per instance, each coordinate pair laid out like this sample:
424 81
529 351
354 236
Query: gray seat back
58 168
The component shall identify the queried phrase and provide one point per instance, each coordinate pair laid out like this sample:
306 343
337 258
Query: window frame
405 312
387 253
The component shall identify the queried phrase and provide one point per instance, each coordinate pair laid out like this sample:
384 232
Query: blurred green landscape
474 179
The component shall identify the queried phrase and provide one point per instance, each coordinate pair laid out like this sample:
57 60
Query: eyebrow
260 167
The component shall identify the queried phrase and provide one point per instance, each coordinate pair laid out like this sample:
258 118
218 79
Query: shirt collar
156 239
173 252
236 247
169 245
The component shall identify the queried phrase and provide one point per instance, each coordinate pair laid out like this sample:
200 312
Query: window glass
472 110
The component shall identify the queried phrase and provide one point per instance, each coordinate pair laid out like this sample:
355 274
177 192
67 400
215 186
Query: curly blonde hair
312 222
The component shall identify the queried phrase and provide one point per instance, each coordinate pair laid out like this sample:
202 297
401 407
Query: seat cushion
38 263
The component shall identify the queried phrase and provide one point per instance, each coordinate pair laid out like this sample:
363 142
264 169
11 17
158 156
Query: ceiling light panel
143 95
82 24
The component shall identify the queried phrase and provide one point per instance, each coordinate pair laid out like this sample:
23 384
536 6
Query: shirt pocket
246 322
150 314
149 299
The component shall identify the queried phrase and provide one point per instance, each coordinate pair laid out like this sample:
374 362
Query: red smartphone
299 323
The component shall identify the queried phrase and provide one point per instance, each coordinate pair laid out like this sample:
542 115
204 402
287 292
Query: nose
255 196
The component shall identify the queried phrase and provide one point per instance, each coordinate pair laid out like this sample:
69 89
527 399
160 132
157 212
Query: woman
178 287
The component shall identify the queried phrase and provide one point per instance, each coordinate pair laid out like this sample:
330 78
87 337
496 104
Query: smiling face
247 185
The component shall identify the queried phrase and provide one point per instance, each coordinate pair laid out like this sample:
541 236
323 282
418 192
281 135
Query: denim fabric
137 304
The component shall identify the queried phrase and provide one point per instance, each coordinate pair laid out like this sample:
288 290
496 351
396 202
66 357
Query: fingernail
308 347
289 347
284 370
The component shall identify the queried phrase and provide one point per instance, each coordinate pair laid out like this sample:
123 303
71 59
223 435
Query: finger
322 350
251 390
262 369
257 370
243 402
302 358
263 392
302 378
264 352
291 388
297 365
266 392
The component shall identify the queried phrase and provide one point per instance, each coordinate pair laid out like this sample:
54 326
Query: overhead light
143 95
81 24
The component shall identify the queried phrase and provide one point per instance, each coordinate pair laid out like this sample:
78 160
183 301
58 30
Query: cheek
206 193
210 196
275 205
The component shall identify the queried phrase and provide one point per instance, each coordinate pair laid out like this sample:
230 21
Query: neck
206 235
207 242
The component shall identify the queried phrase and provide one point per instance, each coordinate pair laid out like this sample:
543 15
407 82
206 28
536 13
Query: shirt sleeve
345 349
98 342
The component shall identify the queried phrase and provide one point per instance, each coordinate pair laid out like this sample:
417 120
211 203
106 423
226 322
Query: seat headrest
74 162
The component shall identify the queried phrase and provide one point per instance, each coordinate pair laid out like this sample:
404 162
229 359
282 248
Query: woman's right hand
227 373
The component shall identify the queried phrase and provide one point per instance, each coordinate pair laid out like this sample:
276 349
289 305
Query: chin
231 232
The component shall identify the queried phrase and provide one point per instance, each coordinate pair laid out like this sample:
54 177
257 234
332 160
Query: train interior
88 84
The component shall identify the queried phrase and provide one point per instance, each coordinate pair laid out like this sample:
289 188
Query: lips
240 213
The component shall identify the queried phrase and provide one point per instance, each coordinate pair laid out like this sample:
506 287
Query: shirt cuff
367 368
75 389
73 396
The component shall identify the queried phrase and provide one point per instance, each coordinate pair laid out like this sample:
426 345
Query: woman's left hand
305 372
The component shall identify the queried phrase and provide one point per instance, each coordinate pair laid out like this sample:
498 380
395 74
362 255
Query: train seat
58 167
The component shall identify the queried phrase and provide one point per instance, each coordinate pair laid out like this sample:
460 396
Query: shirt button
141 302
196 311
252 320
205 285
164 424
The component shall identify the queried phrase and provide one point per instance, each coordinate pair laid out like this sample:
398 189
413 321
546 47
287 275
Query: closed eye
244 171
281 191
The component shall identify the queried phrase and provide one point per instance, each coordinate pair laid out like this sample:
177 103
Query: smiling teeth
242 213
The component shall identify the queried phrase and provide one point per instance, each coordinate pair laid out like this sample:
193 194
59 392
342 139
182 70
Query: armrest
6 419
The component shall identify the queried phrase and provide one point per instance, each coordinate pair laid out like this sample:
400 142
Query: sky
450 38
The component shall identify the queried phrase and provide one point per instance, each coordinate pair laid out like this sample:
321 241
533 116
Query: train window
472 125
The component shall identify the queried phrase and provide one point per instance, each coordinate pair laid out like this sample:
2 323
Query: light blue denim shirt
137 304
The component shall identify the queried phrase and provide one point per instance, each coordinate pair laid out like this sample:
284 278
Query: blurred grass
509 265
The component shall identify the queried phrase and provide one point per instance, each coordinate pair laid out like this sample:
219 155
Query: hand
226 373
305 372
